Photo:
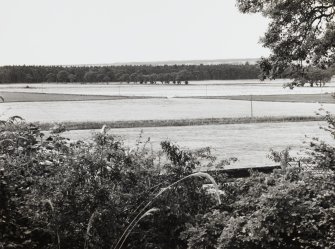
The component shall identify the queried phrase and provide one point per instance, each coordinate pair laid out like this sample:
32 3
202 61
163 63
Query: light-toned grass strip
90 125
162 190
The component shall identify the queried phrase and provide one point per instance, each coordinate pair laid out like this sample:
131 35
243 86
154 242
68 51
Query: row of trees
311 76
139 74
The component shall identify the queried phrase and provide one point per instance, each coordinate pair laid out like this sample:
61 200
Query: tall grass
147 213
48 201
88 229
142 214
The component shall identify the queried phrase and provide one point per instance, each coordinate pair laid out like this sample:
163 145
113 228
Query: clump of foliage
309 75
288 208
293 207
57 193
300 35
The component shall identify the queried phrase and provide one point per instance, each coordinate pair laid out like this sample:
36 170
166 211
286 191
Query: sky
65 32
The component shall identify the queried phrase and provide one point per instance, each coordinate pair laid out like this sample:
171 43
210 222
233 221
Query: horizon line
163 62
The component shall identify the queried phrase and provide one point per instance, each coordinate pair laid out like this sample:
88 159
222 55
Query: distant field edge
325 98
91 125
10 97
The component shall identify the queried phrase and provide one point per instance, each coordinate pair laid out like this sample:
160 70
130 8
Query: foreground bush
286 209
61 194
55 193
293 207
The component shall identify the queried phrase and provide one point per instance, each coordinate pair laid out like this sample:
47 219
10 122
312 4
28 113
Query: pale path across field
249 142
151 109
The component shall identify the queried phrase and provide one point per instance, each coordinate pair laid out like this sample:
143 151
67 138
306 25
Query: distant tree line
142 74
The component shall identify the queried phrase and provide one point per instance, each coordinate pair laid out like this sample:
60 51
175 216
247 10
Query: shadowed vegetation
60 194
141 74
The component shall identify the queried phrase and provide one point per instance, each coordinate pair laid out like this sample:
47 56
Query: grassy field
43 97
100 103
249 142
153 109
199 88
221 119
302 98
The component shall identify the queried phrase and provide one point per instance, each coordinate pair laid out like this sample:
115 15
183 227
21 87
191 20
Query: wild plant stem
134 222
88 229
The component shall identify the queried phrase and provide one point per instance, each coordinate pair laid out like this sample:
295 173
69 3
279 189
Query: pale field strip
196 88
154 109
250 143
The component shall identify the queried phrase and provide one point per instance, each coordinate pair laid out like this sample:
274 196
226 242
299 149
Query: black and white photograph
167 124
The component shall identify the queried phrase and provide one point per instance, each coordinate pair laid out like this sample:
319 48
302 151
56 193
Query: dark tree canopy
142 74
300 35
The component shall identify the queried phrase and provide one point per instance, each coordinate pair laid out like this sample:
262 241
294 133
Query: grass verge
301 98
46 97
179 122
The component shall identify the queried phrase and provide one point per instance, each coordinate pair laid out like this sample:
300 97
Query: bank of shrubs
56 193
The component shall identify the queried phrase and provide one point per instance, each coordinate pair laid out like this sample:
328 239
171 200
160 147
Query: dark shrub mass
56 193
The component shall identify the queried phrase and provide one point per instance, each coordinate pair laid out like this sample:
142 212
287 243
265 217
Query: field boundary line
91 125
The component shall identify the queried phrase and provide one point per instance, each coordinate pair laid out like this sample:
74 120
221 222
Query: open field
224 114
44 97
154 109
101 103
200 88
249 142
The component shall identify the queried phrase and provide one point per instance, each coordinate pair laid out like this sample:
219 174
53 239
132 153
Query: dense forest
142 74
